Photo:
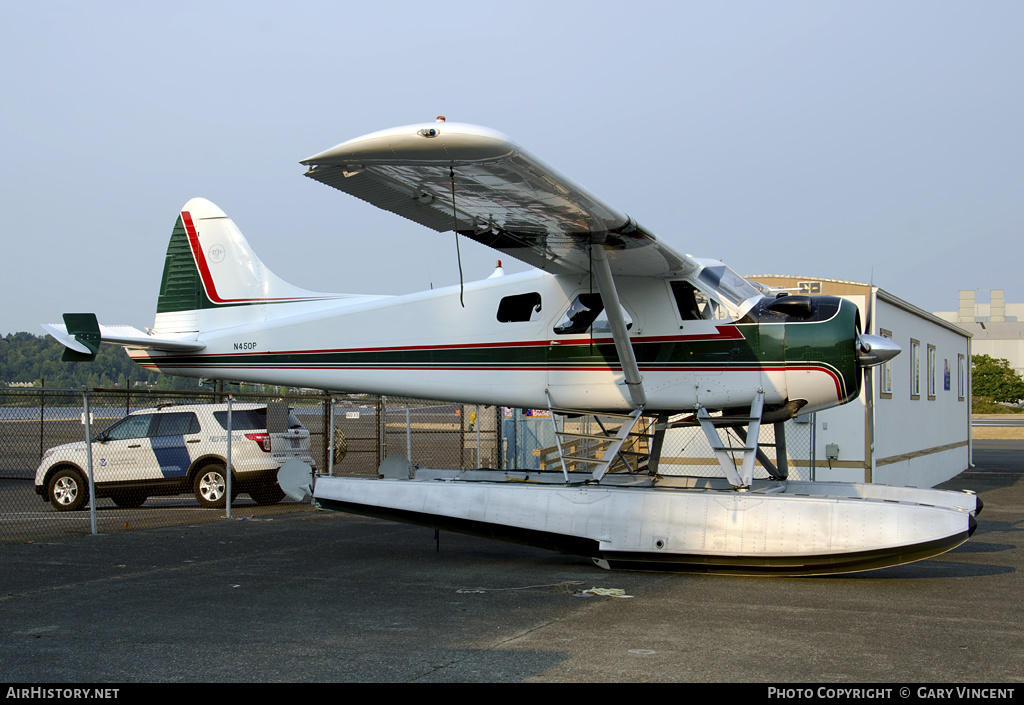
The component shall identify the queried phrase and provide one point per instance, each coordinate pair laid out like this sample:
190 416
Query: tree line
27 359
993 380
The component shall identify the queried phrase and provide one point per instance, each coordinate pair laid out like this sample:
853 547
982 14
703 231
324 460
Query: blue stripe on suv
172 455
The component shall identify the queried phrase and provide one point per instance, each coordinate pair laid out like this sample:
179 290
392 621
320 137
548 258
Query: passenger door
123 453
583 365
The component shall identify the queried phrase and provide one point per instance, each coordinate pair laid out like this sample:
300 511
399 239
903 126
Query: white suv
173 450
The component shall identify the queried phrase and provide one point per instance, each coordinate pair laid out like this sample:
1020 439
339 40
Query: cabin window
519 308
587 314
686 300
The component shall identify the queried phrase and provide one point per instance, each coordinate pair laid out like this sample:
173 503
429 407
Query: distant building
997 328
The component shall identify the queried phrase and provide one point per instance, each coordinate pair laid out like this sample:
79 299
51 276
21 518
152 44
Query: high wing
503 198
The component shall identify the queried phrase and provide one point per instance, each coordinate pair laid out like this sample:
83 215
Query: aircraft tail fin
210 268
211 280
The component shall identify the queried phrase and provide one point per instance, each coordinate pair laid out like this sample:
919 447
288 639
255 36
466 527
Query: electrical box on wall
832 451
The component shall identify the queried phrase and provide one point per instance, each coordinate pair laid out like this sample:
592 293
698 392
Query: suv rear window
251 419
243 419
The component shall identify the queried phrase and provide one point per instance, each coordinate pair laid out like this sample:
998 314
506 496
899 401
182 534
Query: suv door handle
193 440
136 445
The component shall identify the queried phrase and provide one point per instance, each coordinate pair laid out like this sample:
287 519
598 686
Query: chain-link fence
160 458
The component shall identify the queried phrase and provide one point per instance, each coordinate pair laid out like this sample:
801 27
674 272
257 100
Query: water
60 413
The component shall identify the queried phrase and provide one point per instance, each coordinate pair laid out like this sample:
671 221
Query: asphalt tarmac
322 597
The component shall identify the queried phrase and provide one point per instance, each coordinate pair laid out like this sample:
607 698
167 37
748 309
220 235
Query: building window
931 372
915 369
961 377
885 371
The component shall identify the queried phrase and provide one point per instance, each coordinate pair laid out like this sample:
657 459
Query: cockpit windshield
733 290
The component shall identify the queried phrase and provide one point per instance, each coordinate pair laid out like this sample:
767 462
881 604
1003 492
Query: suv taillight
262 438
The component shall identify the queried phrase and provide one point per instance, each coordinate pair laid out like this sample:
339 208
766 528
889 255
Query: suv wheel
210 486
67 490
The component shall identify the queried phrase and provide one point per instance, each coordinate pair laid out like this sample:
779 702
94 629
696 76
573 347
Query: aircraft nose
874 349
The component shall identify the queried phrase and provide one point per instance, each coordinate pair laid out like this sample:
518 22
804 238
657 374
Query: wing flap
503 197
389 196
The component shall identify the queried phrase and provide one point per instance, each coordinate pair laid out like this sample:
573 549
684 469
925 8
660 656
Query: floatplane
609 323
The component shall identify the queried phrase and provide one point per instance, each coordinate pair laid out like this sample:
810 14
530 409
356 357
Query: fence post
499 429
326 416
382 436
330 445
408 435
88 458
462 436
814 443
477 423
42 413
227 478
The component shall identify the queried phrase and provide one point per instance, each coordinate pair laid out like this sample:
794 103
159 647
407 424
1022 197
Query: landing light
431 131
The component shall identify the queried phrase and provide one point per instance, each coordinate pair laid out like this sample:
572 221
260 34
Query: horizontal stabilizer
82 335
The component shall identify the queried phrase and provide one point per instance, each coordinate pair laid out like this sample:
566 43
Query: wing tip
461 142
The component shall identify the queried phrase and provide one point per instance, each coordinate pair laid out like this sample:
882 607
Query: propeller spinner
874 349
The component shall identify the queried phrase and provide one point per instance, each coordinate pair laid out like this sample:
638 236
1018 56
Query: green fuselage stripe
824 345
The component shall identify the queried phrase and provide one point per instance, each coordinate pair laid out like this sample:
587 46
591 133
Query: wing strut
624 349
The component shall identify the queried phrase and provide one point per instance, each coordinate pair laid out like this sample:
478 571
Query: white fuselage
429 345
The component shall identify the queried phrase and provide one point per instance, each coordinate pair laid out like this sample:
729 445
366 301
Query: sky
865 141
